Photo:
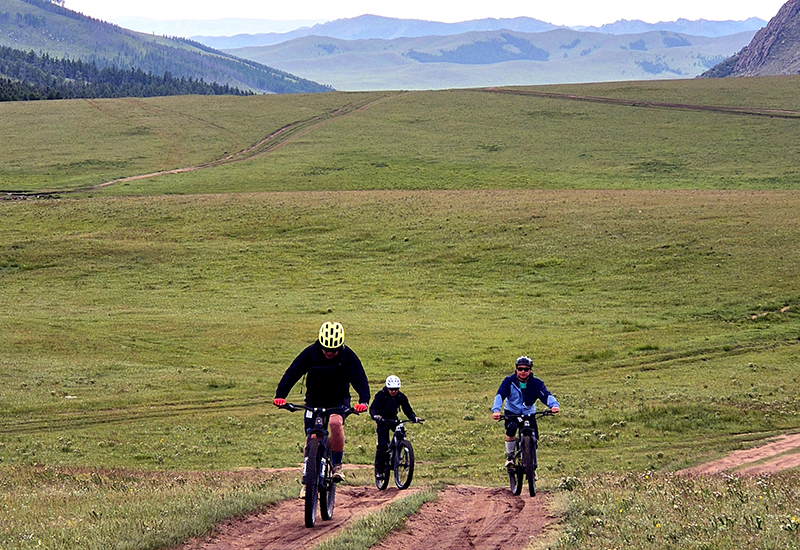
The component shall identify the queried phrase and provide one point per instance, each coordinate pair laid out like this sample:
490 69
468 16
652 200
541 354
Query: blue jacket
522 401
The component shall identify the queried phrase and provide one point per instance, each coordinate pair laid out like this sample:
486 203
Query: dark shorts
512 427
308 419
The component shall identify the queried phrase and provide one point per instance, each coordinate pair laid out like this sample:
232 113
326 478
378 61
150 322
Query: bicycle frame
400 456
525 447
317 466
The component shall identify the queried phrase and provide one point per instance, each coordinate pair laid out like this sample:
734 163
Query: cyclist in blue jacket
519 392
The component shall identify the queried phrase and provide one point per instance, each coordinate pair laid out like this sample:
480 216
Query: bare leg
336 430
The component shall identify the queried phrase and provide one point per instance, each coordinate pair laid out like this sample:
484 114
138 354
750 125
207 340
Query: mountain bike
317 463
525 461
399 458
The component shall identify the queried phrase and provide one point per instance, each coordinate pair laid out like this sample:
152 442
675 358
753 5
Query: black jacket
328 381
387 406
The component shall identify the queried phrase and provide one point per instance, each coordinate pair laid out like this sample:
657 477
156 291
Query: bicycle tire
382 484
327 494
404 465
529 459
312 482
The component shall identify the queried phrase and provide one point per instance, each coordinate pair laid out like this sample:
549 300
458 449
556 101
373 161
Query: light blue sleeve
551 402
498 403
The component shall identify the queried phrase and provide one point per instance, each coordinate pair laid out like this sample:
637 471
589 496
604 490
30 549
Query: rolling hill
496 58
47 28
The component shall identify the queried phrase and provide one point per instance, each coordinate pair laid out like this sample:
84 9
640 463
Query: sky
563 12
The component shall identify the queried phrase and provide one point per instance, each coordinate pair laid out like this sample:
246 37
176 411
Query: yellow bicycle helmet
331 335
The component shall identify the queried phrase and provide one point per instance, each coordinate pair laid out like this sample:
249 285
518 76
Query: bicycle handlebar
396 421
508 416
338 409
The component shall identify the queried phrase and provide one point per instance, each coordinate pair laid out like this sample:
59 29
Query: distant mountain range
496 58
367 27
46 27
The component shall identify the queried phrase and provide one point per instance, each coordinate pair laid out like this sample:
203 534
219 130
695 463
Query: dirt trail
462 517
477 518
781 453
474 517
282 526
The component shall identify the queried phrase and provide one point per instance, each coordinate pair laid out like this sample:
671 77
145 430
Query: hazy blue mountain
700 27
45 27
496 58
371 26
366 27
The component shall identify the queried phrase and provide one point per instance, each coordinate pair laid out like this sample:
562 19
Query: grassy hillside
471 139
649 269
497 58
43 27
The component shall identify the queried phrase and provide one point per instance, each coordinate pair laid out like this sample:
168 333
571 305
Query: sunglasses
523 369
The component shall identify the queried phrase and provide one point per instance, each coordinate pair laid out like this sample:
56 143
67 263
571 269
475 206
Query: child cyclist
519 392
384 407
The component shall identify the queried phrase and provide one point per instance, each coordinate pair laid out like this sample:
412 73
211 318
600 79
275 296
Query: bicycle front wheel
404 465
327 497
515 475
383 483
312 481
529 458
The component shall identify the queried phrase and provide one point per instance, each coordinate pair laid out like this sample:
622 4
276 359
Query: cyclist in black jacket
331 368
385 406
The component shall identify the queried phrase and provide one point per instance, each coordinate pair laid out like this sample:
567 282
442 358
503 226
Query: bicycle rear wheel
529 458
312 482
404 465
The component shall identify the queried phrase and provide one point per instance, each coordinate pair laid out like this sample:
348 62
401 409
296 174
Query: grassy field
145 326
463 139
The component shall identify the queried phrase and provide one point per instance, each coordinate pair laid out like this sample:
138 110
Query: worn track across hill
747 111
270 143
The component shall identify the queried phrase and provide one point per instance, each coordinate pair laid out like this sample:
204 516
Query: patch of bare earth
283 525
474 517
462 517
780 453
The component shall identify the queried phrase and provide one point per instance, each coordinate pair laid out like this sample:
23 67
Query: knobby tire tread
327 490
529 458
312 482
404 465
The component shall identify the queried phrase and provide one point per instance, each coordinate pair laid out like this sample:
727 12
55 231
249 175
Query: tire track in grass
270 143
747 111
120 415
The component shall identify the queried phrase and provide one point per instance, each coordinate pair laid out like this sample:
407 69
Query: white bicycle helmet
393 382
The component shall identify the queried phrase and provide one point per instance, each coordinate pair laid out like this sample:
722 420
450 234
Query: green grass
96 509
369 530
461 139
145 334
670 511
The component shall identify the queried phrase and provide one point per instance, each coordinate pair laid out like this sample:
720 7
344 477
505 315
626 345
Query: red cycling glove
360 408
279 402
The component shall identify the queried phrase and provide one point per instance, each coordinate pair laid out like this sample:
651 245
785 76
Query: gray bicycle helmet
524 360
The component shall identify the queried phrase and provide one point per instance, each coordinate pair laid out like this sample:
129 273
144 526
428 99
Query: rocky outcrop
774 50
